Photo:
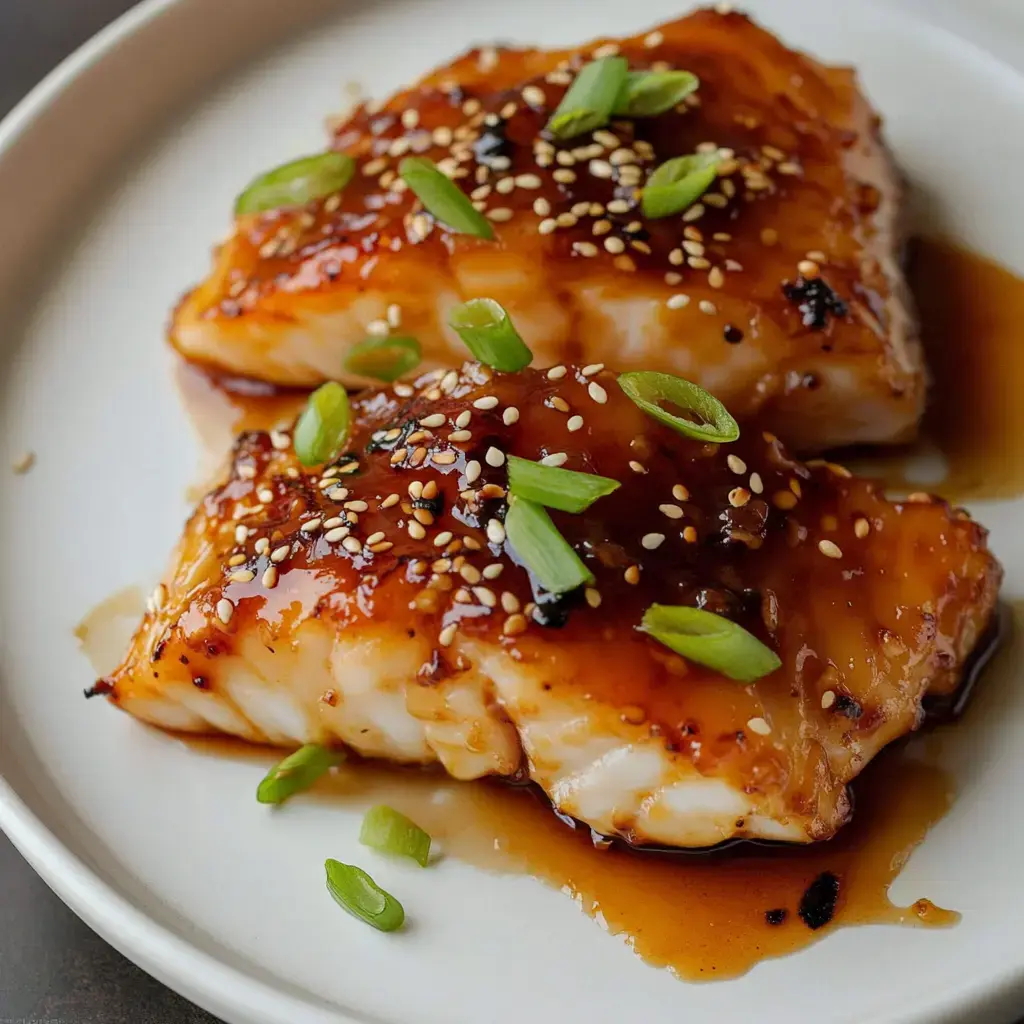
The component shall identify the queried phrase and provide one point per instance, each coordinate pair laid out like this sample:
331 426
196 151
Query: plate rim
205 979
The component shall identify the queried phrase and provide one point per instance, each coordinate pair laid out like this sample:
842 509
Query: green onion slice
706 419
353 889
650 93
542 549
390 831
710 640
297 772
443 198
384 359
323 427
486 330
677 184
590 100
297 183
552 487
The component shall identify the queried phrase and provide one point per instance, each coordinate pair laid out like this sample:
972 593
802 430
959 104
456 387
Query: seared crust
728 295
299 597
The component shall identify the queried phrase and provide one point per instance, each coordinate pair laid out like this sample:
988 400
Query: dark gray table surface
53 968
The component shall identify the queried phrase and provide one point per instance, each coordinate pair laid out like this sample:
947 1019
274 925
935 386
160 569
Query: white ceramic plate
114 178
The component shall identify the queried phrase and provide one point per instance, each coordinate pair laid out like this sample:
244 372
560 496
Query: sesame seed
378 328
279 554
606 50
514 625
794 486
756 484
500 214
736 464
390 501
225 609
678 301
238 559
808 268
159 597
495 531
606 139
861 528
830 549
510 416
591 368
280 440
574 423
557 372
593 597
528 181
241 534
442 538
828 698
352 546
652 540
546 227
443 458
242 576
632 574
559 403
485 403
357 506
415 530
672 511
485 596
738 497
564 176
602 227
708 307
375 538
716 278
447 635
460 435
586 249
680 493
597 393
541 206
601 169
784 500
332 536
470 573
636 467
690 535
395 315
270 575
676 257
437 419
494 457
565 158
554 459
505 186
759 726
384 545
473 470
398 455
653 39
510 603
614 245
567 220
462 420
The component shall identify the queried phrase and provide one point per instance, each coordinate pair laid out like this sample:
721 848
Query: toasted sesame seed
736 464
759 726
356 506
828 698
784 499
708 307
601 227
238 559
492 571
632 574
601 169
279 554
690 535
514 625
593 597
485 403
473 470
672 511
557 372
510 604
554 459
457 436
528 181
159 597
756 484
330 524
676 257
436 419
470 573
378 328
442 538
606 50
861 528
270 575
591 368
376 538
614 245
505 186
241 534
352 545
597 393
225 609
680 493
443 458
559 403
574 423
567 220
678 301
494 457
495 531
738 497
586 249
564 176
485 596
716 278
830 549
337 533
510 416
652 540
636 467
447 635
449 381
606 139
547 227
653 39
390 501
415 530
382 546
500 214
338 494
542 207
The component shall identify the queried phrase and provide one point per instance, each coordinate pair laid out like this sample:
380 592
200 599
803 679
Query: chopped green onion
297 772
710 640
556 488
384 359
323 426
443 198
707 419
390 831
297 183
590 100
542 549
486 330
353 889
677 184
650 93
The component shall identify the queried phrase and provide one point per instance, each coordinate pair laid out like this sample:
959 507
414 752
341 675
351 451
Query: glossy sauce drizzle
972 325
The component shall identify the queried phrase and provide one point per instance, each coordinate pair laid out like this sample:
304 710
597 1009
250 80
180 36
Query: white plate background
114 179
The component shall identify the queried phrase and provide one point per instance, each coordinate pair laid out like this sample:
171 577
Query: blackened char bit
818 903
816 301
777 916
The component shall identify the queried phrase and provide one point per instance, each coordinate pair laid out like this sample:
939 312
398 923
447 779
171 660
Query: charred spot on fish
98 689
816 301
776 917
158 650
818 903
492 143
553 610
201 682
435 506
389 438
846 705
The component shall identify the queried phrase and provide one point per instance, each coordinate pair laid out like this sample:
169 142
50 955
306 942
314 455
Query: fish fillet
376 603
781 291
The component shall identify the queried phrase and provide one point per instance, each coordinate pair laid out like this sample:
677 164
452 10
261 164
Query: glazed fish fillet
780 290
376 603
